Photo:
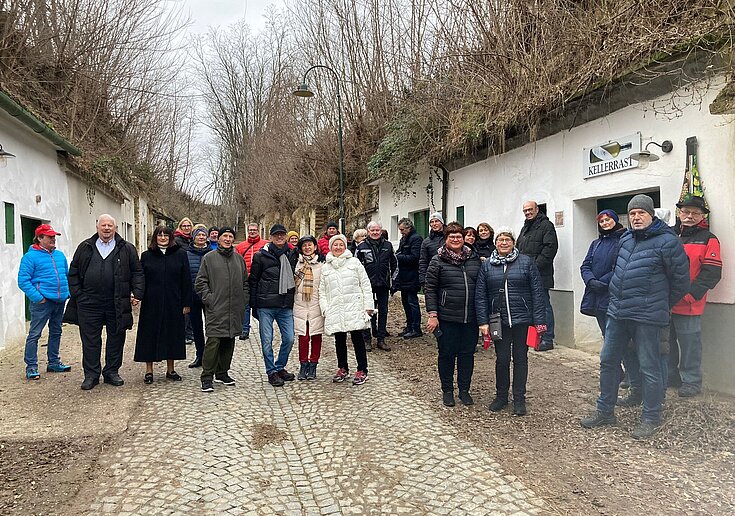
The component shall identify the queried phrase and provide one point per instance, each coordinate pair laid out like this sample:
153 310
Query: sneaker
546 345
644 430
303 371
225 379
286 376
448 399
58 368
465 398
598 419
207 386
244 336
32 374
519 408
341 375
688 390
498 404
189 342
311 371
403 332
632 399
275 380
360 378
89 383
411 335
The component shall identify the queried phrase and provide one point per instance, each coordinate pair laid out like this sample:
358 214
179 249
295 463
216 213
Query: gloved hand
540 328
597 285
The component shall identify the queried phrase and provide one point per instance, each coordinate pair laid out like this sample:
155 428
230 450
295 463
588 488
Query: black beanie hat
227 229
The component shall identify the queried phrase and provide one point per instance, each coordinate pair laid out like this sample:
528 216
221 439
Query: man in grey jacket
222 284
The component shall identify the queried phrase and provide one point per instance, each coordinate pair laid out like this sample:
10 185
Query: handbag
494 321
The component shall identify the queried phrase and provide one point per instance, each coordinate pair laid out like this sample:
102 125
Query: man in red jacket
247 249
705 270
330 230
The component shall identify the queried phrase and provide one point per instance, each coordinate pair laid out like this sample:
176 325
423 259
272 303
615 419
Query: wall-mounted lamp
645 156
4 157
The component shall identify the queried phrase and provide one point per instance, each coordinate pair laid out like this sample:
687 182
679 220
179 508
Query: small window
421 222
394 233
9 223
460 215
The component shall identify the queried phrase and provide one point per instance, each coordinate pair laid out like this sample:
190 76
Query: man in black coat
431 244
538 240
105 281
376 255
408 256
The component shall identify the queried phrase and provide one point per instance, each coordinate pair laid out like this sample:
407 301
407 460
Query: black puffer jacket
263 280
378 259
408 255
429 247
450 289
524 302
484 247
538 240
128 279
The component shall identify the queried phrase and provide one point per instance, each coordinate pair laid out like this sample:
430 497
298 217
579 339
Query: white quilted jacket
344 294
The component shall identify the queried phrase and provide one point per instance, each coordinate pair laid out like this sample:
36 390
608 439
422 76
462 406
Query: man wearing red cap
43 278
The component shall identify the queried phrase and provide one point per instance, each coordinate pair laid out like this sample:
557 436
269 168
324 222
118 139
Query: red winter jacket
323 244
248 248
705 267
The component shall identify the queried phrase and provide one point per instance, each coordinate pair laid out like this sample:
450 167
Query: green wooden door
421 222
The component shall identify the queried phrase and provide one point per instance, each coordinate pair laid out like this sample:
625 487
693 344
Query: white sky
214 13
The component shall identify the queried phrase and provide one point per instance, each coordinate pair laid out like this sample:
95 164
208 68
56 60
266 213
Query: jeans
217 357
456 345
340 345
197 326
685 356
647 340
284 318
513 343
49 312
380 295
410 301
246 321
549 335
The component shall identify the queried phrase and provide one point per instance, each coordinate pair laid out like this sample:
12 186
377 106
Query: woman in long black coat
167 299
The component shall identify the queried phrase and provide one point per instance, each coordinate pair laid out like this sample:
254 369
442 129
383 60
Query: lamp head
4 157
303 91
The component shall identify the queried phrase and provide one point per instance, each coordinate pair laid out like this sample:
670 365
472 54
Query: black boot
368 345
382 345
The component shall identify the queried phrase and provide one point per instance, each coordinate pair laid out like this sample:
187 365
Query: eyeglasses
504 240
690 212
455 237
186 225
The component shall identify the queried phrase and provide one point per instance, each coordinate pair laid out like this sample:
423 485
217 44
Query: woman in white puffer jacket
346 300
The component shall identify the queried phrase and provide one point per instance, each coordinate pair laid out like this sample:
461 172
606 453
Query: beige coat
308 311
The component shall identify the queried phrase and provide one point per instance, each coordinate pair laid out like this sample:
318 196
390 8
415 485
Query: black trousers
340 344
379 322
456 345
513 342
91 320
197 326
410 301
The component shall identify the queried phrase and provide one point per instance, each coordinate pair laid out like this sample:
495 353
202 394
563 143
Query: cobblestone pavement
311 447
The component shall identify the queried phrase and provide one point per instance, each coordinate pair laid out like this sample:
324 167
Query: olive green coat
222 284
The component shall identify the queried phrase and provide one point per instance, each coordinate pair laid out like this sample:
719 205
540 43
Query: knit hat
292 233
609 213
436 216
226 229
504 230
278 228
694 201
199 229
642 202
335 238
331 224
213 228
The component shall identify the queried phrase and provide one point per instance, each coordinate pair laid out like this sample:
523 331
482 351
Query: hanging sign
612 156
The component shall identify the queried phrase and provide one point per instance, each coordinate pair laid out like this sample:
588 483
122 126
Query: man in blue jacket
43 278
651 275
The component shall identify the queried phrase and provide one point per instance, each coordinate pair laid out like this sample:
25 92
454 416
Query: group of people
475 280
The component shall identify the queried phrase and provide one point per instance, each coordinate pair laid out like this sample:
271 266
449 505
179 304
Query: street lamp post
304 92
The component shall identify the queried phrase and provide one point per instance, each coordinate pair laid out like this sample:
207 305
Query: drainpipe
445 190
42 129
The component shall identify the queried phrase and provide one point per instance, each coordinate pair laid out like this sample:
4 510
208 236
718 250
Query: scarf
496 259
225 252
305 276
453 257
617 227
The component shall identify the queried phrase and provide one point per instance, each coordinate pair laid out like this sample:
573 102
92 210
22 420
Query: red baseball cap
45 229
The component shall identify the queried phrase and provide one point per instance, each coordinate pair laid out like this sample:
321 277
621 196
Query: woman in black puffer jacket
450 303
520 302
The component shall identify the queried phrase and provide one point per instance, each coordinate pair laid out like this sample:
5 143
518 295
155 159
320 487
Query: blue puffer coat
195 255
524 303
651 275
599 265
43 275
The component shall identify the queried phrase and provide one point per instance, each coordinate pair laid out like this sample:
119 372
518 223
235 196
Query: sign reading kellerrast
612 156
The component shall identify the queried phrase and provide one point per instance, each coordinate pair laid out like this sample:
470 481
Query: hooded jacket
128 278
43 275
651 275
345 294
538 240
705 266
599 265
222 285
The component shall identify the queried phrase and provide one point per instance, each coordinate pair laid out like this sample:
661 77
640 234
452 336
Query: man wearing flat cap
705 271
272 290
651 275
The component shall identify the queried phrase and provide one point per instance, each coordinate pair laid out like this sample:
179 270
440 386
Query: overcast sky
214 13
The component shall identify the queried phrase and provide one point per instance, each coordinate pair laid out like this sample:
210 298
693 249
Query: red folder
533 338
